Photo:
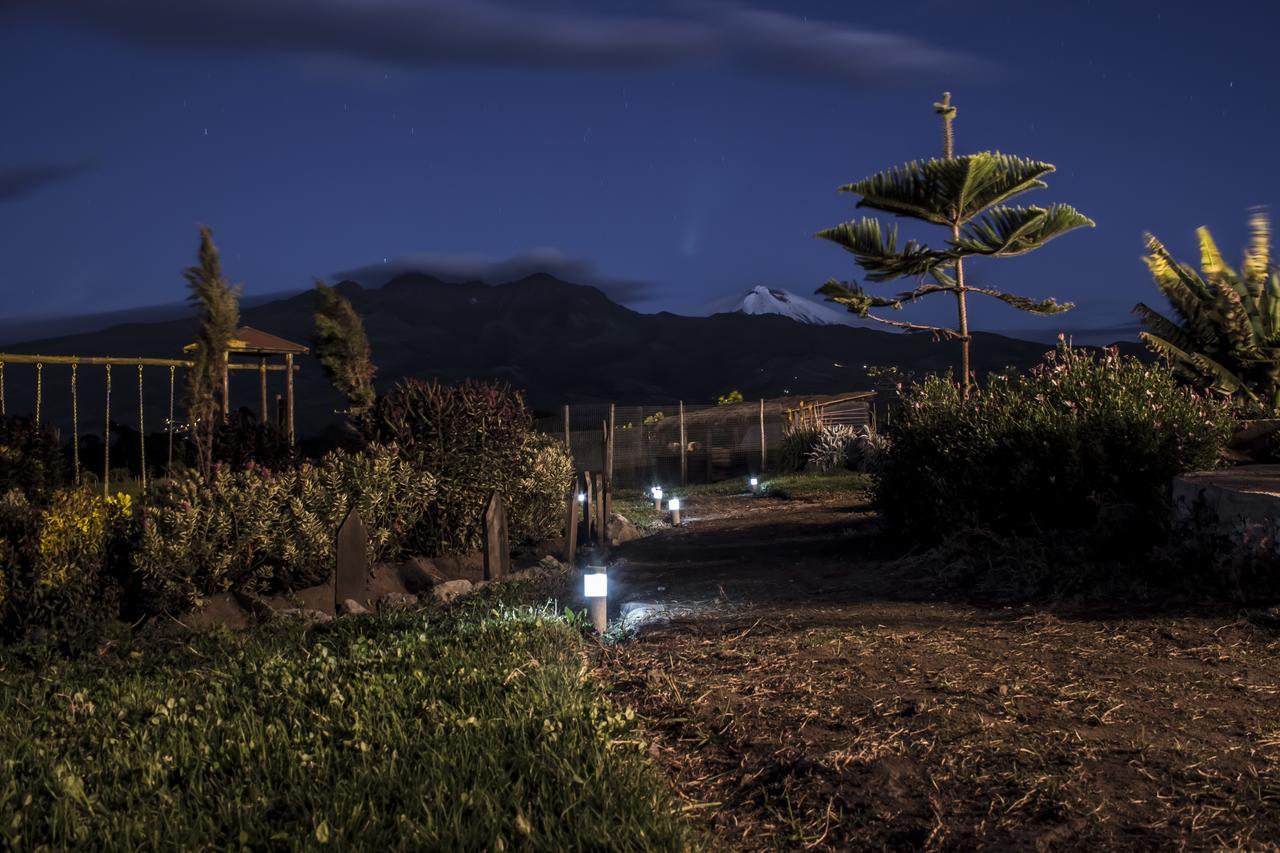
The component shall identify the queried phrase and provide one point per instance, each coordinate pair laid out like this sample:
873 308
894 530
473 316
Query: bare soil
804 688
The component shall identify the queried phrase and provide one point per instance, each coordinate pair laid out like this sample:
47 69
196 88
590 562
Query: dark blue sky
676 152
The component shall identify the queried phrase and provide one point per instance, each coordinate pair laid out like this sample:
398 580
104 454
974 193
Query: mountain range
559 342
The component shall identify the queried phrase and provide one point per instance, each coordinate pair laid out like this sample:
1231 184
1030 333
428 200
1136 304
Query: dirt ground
806 689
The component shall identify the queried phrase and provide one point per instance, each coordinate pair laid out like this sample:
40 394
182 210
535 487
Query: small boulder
351 607
622 530
397 601
306 615
449 590
419 574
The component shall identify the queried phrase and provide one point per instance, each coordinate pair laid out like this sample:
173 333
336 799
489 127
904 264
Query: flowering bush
255 529
536 509
1051 449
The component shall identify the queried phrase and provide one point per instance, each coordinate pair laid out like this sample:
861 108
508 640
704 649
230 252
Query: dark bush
1083 442
243 438
470 436
31 460
796 446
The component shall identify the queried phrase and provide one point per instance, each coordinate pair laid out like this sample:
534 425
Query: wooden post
764 451
568 448
288 394
588 511
497 550
571 526
608 462
226 386
262 383
351 573
602 520
710 461
684 445
280 415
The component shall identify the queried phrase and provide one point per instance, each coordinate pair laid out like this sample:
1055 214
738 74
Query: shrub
1048 449
470 436
536 509
868 451
259 530
58 560
795 449
244 439
30 459
832 448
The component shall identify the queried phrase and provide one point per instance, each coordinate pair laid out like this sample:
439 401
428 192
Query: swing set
247 342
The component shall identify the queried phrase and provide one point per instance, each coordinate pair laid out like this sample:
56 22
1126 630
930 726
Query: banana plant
1226 336
967 195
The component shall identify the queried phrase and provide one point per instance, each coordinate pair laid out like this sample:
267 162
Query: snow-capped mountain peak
772 300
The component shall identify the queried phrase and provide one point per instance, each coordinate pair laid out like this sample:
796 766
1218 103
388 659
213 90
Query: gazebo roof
251 341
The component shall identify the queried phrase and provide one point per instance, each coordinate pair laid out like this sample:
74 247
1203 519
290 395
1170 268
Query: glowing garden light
582 497
754 482
595 588
674 506
656 492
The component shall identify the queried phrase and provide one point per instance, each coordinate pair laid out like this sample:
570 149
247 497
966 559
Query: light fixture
656 492
754 482
595 585
582 497
674 506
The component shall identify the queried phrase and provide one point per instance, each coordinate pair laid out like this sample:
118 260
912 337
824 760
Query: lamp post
656 492
674 506
595 588
754 483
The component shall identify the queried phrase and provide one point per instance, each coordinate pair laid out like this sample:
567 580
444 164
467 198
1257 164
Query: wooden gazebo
250 343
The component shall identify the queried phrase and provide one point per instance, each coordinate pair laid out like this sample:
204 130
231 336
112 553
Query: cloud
20 182
451 267
506 33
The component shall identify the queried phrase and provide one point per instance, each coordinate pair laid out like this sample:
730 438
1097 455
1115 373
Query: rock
419 574
449 590
622 530
351 607
551 564
397 601
306 616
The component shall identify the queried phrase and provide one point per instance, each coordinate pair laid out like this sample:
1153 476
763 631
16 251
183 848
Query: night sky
671 152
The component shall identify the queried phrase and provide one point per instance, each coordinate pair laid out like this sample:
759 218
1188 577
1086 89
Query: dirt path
803 690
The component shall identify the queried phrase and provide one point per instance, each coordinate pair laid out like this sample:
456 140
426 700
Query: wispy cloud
22 181
503 33
454 267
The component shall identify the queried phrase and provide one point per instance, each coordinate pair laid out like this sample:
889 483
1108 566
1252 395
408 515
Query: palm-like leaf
1005 231
949 191
1228 337
877 250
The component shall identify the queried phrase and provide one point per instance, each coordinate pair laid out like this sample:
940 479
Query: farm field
805 687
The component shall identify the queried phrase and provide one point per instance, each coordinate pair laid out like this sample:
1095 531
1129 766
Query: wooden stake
497 548
588 512
571 526
262 386
684 445
608 470
602 520
288 394
351 573
567 446
764 452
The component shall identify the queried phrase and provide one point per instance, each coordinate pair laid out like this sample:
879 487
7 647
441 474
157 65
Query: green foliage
729 399
536 507
388 733
59 561
217 306
965 194
833 448
1227 335
30 459
797 444
470 436
257 530
1079 440
343 349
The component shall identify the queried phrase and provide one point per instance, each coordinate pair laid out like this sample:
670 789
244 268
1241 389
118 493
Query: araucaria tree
343 349
217 306
966 195
1227 337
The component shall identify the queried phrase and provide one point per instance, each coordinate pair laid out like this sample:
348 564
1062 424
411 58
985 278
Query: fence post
588 512
602 520
351 572
684 445
764 451
571 525
497 550
608 470
567 448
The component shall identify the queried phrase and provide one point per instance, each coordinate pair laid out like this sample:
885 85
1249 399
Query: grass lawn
637 506
475 729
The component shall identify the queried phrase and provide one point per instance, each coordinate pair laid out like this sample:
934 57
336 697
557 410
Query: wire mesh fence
668 443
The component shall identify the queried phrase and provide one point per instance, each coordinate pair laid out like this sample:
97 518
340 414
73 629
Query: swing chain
106 441
142 436
2 388
75 423
171 371
39 388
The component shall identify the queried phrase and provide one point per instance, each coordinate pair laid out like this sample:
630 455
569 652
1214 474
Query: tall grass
379 733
